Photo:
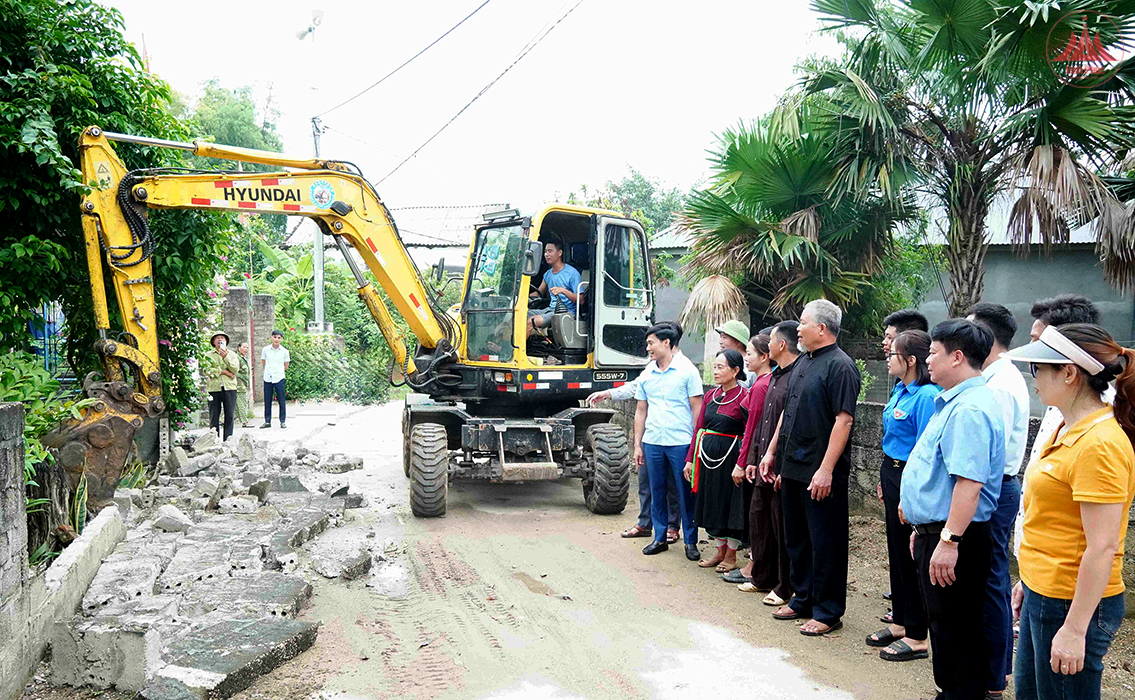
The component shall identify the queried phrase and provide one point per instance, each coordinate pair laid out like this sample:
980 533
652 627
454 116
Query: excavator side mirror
439 272
533 256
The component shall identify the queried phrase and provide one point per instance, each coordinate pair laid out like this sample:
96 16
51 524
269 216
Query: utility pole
316 130
317 253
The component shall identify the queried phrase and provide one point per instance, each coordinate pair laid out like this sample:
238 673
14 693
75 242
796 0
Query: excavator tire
605 493
429 470
406 442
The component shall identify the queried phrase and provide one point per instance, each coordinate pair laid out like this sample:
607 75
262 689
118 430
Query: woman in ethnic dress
244 388
722 506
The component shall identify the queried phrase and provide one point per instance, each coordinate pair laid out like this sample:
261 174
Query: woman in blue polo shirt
909 410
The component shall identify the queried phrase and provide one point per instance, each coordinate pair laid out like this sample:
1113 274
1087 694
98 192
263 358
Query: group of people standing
228 377
763 459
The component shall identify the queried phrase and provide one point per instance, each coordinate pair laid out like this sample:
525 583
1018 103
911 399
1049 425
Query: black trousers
959 647
279 391
217 399
906 598
770 558
815 535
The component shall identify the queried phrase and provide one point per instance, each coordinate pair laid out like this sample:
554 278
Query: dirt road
520 592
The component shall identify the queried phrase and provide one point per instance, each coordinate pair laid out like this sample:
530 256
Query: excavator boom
116 233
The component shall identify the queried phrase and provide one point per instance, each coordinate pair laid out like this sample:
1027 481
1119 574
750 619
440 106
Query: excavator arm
116 234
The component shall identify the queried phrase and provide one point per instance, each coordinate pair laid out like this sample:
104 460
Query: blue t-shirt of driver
568 278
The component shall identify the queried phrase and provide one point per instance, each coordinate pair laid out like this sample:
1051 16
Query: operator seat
565 328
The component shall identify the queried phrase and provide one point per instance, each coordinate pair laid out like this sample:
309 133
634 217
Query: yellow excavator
490 401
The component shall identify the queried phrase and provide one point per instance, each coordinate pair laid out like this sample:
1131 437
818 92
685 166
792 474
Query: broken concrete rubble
355 500
205 441
224 490
349 565
170 519
238 504
197 464
177 459
260 490
198 607
339 464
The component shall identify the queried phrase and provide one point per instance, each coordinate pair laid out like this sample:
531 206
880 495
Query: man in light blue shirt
562 283
669 394
1008 385
950 488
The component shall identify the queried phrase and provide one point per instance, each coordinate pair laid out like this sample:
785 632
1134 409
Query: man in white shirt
1008 386
274 360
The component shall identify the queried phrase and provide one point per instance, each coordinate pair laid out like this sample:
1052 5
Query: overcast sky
618 83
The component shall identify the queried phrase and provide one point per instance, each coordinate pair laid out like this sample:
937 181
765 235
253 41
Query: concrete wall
1017 282
250 322
13 549
31 604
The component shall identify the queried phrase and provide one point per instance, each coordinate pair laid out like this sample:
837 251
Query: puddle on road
534 689
715 664
391 579
533 585
764 672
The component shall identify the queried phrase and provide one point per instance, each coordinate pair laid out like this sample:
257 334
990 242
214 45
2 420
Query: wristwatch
948 536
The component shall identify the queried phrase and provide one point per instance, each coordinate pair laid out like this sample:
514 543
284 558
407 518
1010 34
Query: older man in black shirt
812 442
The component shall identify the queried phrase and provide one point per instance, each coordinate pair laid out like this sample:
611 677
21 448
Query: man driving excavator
561 282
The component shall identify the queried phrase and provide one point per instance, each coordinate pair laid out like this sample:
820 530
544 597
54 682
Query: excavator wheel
429 470
605 493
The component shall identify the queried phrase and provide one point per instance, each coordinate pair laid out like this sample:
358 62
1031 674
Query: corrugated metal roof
671 237
997 223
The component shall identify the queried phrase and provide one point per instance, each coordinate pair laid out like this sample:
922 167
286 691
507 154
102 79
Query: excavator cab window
490 299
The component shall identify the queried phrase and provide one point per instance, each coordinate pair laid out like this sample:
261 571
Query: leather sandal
636 531
671 536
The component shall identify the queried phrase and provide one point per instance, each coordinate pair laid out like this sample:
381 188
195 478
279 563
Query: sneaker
282 426
266 425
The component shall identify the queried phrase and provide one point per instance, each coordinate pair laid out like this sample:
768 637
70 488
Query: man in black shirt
813 444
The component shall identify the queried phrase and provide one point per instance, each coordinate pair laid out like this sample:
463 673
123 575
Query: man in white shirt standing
274 360
1008 386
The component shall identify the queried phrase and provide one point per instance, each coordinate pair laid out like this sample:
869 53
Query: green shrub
321 370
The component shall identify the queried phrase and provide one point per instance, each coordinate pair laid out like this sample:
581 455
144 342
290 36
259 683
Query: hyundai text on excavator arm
491 403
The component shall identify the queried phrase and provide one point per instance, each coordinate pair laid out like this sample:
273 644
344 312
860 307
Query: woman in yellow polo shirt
1077 494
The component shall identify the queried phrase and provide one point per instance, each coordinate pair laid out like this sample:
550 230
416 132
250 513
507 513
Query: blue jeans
645 519
278 390
1041 617
665 463
999 589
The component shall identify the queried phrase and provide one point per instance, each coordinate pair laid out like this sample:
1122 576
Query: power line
479 94
407 62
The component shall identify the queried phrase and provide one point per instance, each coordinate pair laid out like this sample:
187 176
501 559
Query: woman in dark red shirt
722 506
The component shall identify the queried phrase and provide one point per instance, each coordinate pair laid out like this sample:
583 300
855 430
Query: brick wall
244 321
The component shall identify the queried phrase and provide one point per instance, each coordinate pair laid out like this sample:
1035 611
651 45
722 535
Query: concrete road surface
520 592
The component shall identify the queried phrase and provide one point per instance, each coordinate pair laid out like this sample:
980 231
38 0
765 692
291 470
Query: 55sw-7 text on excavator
490 402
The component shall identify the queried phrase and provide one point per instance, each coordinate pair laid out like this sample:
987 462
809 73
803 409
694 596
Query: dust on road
520 592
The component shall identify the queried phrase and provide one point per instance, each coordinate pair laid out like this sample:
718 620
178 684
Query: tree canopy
64 67
965 102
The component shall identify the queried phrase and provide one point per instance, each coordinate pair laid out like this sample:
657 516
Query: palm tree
713 301
768 216
959 103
